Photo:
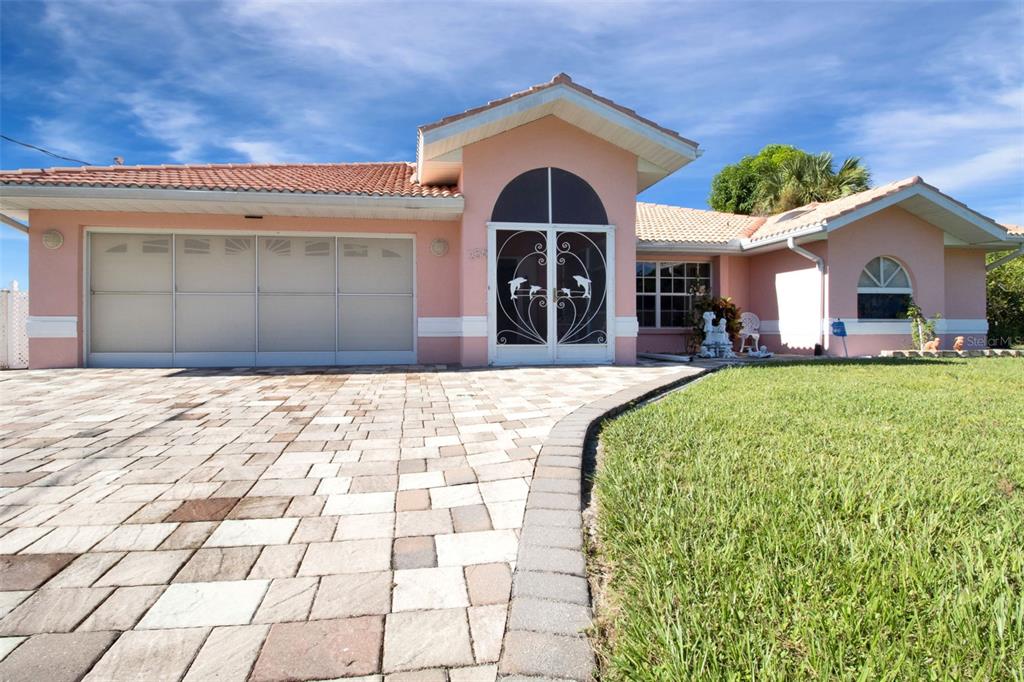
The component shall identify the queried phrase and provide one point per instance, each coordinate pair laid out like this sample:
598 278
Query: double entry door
549 291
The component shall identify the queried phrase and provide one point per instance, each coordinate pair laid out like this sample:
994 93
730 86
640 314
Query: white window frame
244 359
658 293
882 288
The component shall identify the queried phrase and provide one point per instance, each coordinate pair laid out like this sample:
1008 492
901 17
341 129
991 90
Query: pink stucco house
514 238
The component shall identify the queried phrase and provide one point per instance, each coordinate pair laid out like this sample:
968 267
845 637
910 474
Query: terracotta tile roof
560 79
814 214
657 223
661 223
392 179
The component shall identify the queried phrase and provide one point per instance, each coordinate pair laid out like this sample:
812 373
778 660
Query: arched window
549 195
883 290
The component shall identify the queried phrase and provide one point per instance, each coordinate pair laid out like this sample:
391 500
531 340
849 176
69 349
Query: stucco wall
489 165
764 271
57 275
946 281
892 232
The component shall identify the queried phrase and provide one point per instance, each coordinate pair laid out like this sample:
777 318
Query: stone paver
154 656
426 639
228 654
348 522
28 571
56 658
429 588
53 611
322 649
190 605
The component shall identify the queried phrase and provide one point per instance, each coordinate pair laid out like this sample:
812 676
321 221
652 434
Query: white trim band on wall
52 327
890 327
627 327
446 327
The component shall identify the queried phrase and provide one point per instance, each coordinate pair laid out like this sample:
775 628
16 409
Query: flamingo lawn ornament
514 284
583 282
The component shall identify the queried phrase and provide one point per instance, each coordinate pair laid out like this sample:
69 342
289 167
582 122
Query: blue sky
931 89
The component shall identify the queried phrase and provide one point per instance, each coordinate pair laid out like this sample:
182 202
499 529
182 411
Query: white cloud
179 125
257 151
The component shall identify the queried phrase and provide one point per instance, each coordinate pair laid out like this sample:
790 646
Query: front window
665 292
883 290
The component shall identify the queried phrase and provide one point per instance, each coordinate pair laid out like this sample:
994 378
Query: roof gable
659 150
964 225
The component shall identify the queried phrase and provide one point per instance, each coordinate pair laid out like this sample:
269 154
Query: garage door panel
130 323
297 264
375 323
215 323
130 262
214 263
296 323
375 265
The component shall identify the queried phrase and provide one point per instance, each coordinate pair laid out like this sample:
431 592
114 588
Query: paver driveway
159 524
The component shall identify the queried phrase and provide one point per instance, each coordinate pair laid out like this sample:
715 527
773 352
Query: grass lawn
859 520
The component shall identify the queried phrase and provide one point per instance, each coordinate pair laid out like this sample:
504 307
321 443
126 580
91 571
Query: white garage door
194 300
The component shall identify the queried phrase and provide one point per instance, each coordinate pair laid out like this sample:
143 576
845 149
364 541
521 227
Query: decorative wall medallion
53 239
439 247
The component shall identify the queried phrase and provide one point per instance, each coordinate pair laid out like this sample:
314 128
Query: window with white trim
665 292
883 290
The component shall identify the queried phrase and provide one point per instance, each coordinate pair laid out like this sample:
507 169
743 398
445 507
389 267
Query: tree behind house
782 177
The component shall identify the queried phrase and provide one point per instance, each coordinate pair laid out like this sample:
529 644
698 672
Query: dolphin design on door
583 282
514 284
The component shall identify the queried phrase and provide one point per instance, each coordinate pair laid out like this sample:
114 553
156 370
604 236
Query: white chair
750 328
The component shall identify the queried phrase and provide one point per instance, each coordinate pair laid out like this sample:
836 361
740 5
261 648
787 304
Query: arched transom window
549 195
883 290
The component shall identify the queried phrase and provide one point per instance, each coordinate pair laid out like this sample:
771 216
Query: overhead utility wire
46 151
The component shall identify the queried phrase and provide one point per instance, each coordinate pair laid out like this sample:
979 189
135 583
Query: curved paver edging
550 606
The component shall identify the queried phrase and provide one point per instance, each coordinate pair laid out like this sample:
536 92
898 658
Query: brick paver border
550 608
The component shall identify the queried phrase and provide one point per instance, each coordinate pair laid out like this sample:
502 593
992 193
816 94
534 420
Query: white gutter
15 191
16 224
819 262
732 246
1005 259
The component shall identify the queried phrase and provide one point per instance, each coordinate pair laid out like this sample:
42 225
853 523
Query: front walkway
162 525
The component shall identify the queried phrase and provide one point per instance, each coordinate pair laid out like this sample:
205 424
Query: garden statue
716 342
958 343
761 353
933 345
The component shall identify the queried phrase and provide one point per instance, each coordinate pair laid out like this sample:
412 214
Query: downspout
1005 259
16 224
819 262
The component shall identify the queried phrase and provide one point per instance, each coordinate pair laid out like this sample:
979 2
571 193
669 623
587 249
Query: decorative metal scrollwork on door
522 280
581 300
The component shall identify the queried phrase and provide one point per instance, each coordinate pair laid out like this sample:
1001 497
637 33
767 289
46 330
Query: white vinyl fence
13 334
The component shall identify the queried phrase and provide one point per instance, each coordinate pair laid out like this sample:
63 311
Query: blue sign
839 328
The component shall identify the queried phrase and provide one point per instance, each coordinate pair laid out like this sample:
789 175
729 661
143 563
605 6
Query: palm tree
809 178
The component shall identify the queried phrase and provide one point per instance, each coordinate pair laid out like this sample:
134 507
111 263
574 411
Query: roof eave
80 198
650 246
